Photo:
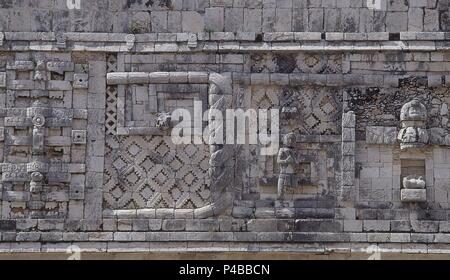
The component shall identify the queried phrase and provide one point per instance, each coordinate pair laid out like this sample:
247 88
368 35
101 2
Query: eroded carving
130 39
414 182
79 137
61 40
413 133
163 121
2 79
287 160
40 71
80 81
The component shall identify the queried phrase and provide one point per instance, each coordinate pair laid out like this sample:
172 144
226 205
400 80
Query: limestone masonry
87 89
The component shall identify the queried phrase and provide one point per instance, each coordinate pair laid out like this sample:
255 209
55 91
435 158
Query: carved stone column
347 191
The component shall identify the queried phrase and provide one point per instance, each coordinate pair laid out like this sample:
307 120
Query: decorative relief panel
150 172
296 63
42 131
2 79
313 115
382 107
143 168
305 110
111 110
139 106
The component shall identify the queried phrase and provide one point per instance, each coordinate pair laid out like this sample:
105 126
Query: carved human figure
413 133
287 160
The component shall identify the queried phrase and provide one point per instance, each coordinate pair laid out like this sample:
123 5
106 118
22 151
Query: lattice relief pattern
318 109
111 110
151 172
111 98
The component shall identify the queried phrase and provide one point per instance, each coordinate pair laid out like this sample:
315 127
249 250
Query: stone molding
225 41
280 79
224 247
219 95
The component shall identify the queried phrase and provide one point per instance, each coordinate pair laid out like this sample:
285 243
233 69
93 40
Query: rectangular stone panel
413 195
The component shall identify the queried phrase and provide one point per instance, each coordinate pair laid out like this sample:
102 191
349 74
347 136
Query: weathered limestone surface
173 16
86 101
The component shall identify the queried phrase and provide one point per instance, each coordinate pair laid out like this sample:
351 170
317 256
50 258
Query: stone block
378 237
155 224
376 226
7 225
400 237
400 226
146 213
252 20
348 163
60 66
2 79
59 85
353 226
140 225
20 65
174 225
262 225
214 19
346 213
50 225
110 225
444 227
234 20
390 135
124 224
26 224
202 225
79 137
192 21
348 148
422 238
412 195
375 135
348 134
100 236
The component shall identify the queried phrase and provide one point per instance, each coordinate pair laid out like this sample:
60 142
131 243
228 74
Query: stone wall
87 157
141 16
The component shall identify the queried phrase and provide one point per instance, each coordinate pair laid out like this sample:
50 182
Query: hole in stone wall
412 167
57 77
394 36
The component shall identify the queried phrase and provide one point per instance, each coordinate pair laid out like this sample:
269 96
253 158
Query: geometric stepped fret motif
151 172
